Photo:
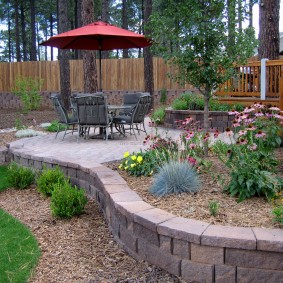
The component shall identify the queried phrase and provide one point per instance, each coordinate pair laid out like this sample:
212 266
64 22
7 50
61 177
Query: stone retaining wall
11 101
194 250
218 119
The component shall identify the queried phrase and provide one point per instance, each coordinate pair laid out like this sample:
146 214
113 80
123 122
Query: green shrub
174 178
158 115
179 104
27 89
54 127
47 179
20 177
67 200
163 96
193 101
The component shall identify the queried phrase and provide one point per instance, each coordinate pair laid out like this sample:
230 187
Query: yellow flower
151 172
133 165
134 157
126 167
120 167
139 159
126 154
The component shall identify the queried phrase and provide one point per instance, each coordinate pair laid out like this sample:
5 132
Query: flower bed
218 119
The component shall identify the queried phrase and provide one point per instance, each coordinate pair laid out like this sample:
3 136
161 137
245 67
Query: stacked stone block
194 250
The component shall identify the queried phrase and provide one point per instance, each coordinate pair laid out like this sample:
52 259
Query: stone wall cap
152 217
183 228
269 239
229 236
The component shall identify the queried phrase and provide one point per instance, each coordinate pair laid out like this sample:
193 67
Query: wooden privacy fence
248 84
117 74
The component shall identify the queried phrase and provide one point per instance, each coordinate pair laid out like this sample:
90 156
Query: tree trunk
105 18
23 29
17 31
78 23
148 63
231 6
125 23
64 55
89 58
207 95
269 29
33 31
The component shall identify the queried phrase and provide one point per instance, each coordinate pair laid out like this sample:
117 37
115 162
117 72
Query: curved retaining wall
194 250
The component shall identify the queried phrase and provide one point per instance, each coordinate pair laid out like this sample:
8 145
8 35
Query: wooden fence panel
117 74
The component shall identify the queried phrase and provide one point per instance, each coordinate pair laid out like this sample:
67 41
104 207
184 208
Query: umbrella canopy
98 36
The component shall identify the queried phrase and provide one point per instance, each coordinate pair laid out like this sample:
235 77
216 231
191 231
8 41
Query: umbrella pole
100 75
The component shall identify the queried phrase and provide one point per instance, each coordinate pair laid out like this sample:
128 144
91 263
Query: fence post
281 89
263 79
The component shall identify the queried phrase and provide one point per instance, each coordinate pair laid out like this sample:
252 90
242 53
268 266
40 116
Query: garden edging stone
192 249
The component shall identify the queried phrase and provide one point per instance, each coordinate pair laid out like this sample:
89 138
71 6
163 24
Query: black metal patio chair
134 120
64 118
92 112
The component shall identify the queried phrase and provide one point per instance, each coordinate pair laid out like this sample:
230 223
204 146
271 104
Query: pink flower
192 160
192 146
259 114
216 133
189 135
242 133
252 147
235 123
260 134
249 110
228 132
243 141
251 127
233 112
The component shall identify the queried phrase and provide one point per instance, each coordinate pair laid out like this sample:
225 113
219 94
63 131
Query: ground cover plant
19 250
4 183
54 126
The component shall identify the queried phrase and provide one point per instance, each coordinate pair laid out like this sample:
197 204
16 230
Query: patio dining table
114 110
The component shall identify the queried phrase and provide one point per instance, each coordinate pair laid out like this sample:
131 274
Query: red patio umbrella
98 36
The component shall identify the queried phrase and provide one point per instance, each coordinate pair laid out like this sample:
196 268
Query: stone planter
218 119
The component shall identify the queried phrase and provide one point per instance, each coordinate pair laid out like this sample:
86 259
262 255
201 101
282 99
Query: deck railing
247 83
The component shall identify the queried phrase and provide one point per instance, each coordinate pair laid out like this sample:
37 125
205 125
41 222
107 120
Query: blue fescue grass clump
175 177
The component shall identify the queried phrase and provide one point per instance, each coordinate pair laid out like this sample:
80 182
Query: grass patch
19 250
4 183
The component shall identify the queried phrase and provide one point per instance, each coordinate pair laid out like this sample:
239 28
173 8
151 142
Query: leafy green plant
19 124
19 250
163 96
180 104
67 200
27 89
48 178
54 127
213 207
20 177
138 164
158 115
4 184
278 214
175 178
